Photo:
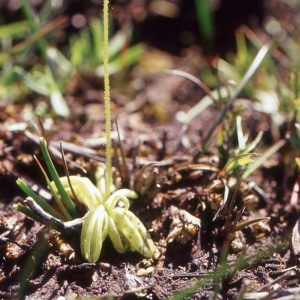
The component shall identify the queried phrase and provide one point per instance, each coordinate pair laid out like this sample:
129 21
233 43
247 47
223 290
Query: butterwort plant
107 211
106 217
107 208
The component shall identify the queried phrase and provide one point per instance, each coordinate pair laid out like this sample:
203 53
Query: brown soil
40 263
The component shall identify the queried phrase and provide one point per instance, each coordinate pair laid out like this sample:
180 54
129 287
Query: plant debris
217 232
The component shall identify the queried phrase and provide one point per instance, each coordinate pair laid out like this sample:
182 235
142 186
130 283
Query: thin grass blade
27 211
242 225
14 29
65 197
259 161
35 36
127 59
47 10
54 194
254 143
97 37
119 41
45 206
34 24
205 22
254 66
31 82
236 162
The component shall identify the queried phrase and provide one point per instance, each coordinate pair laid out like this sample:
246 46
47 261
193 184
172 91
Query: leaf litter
181 194
179 198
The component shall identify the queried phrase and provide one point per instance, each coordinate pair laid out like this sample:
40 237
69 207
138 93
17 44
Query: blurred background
169 25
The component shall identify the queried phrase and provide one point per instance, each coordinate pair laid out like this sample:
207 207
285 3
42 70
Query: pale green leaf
238 161
259 161
59 104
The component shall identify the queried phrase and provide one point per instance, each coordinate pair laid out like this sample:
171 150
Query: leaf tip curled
93 233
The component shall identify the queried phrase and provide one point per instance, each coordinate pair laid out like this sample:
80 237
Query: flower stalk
105 216
107 98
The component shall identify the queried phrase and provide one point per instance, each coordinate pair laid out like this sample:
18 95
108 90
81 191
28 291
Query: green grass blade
97 37
250 72
65 197
46 11
242 225
130 56
122 61
34 24
216 96
205 22
32 38
59 65
76 51
252 167
254 143
237 161
31 82
44 205
26 211
54 194
14 29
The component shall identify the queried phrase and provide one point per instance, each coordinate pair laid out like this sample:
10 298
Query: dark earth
37 262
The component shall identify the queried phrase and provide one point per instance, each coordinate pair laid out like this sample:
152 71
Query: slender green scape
107 97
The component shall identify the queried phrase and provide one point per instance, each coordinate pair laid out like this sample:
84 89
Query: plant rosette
108 216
